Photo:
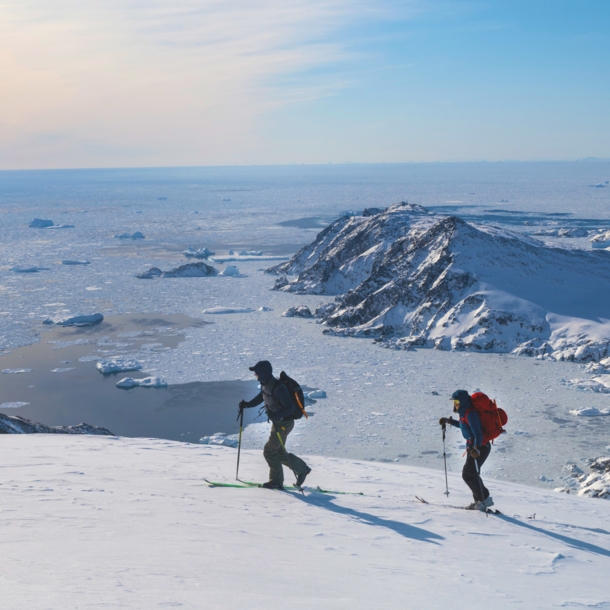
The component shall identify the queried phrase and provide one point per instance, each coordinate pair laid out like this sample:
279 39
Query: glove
243 404
443 421
474 453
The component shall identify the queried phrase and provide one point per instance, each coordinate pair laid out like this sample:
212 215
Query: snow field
94 522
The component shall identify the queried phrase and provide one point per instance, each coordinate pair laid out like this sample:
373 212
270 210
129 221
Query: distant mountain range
410 277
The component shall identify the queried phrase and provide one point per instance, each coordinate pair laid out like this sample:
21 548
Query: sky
133 83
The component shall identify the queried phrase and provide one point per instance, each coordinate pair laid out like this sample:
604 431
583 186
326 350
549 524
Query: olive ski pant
276 456
470 476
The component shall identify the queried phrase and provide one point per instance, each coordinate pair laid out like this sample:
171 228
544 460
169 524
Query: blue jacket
469 424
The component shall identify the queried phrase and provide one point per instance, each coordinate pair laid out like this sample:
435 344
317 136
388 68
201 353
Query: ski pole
476 464
445 458
279 436
241 427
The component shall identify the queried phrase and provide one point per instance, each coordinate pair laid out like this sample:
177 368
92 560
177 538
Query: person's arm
247 404
474 423
443 421
282 396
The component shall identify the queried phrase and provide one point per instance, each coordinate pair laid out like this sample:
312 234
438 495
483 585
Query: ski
490 511
252 485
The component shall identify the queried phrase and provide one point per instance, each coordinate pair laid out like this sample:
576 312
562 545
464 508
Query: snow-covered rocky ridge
409 277
13 424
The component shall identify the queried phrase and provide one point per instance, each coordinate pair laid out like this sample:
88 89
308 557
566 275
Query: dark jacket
278 403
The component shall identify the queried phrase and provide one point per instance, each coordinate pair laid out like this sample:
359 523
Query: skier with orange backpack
480 421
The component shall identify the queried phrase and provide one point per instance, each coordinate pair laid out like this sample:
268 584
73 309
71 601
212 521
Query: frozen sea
381 404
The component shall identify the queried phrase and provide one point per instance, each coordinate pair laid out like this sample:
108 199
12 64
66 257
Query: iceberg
39 223
28 269
188 270
299 311
200 253
230 271
223 310
75 319
117 365
602 240
136 235
147 382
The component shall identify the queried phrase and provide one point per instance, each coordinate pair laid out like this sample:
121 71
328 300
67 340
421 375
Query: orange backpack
493 419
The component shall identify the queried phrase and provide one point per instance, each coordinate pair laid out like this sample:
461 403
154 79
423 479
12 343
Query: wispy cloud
184 78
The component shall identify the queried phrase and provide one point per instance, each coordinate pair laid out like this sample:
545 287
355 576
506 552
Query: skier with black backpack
480 421
283 406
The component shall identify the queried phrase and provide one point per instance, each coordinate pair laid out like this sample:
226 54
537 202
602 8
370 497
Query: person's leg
274 455
295 463
471 477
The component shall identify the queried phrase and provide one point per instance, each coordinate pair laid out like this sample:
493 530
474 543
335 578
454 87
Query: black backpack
296 393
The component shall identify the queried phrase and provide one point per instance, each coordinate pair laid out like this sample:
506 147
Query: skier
477 452
280 410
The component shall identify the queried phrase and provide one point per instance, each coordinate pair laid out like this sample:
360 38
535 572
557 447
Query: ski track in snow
117 522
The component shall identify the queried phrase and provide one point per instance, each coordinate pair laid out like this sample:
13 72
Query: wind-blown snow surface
411 277
116 522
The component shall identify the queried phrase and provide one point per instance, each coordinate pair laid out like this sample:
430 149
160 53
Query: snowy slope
410 277
91 522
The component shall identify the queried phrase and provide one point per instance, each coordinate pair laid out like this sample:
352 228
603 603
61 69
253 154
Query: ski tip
422 500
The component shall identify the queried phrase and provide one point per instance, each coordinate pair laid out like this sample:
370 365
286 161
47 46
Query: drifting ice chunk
70 262
219 438
221 310
39 223
117 365
13 405
29 269
147 382
231 270
61 227
251 253
191 270
300 311
148 275
201 253
136 235
75 320
601 241
15 371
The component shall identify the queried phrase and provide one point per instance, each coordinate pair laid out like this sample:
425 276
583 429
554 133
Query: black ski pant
470 476
277 456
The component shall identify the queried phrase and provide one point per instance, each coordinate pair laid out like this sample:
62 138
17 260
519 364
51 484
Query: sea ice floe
62 370
71 262
264 309
75 319
147 382
136 235
223 310
233 258
117 365
219 438
590 412
15 371
40 223
13 405
61 227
